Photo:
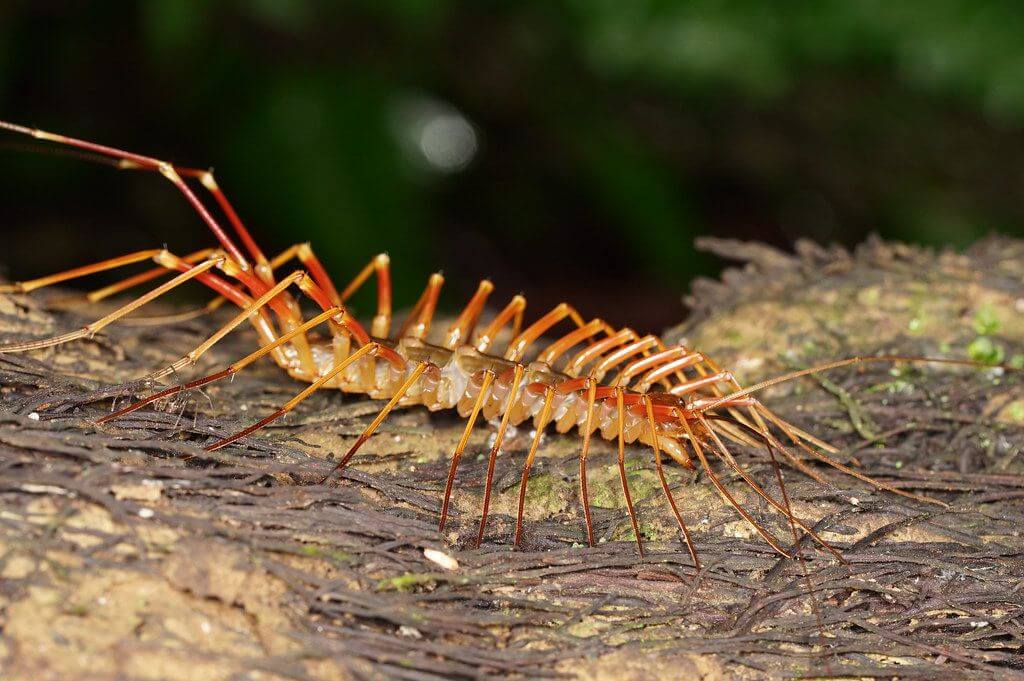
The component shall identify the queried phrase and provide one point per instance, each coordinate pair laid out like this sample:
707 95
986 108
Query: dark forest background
569 149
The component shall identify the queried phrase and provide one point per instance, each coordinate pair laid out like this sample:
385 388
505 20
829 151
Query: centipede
593 380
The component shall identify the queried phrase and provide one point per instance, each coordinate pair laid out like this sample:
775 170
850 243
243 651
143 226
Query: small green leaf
983 349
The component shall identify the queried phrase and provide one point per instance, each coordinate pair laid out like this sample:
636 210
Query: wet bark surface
127 551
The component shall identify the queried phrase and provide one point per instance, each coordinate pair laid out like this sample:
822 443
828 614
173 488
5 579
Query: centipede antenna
687 539
875 482
540 425
828 366
621 411
492 459
457 454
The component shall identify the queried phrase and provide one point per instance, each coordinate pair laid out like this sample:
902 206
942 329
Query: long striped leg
593 352
540 424
588 430
729 498
498 439
230 371
687 539
724 454
457 454
513 312
381 267
67 275
379 419
422 313
149 163
641 346
621 411
368 349
193 356
462 328
94 327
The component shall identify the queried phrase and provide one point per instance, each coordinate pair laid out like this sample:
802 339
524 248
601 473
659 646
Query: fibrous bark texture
127 551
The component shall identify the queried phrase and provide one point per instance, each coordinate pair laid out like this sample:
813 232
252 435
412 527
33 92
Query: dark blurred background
565 148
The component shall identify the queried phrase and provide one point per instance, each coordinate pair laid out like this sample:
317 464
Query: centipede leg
422 313
457 454
292 403
587 431
67 275
224 373
462 328
687 539
381 267
724 453
498 439
621 411
379 419
94 327
542 422
726 495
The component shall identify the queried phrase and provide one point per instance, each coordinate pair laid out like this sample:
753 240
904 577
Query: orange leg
457 454
94 327
498 439
248 313
381 267
540 424
517 348
513 312
556 349
462 329
726 495
379 419
621 411
370 349
593 352
230 371
588 430
418 323
688 540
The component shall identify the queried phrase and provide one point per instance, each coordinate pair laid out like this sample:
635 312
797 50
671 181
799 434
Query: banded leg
462 328
540 424
621 411
457 454
587 433
94 327
193 356
513 312
593 352
726 495
687 539
517 378
370 349
225 373
422 314
379 419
